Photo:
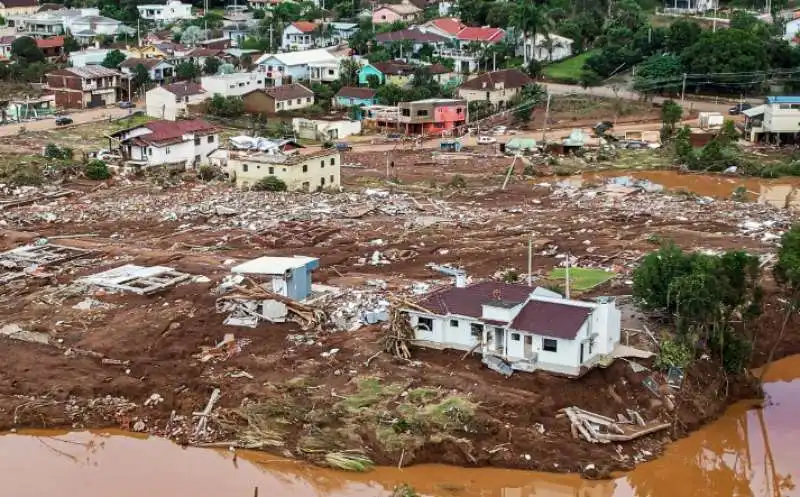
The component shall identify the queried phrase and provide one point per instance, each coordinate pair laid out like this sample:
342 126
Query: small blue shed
289 276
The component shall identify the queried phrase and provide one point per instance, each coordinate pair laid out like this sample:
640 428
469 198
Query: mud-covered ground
103 365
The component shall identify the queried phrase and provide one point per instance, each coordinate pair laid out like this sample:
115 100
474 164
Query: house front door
527 347
499 340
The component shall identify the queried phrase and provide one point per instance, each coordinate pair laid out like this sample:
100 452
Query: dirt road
81 117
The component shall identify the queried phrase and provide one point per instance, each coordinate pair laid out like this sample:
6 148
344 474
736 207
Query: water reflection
747 453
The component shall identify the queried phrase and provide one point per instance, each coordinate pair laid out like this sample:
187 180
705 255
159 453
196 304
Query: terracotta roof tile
52 42
409 34
305 26
166 132
449 25
485 34
184 89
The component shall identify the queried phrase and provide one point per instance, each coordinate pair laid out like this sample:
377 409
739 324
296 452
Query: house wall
385 16
349 102
366 72
178 153
312 129
782 118
258 103
19 11
294 104
233 85
399 80
498 98
293 175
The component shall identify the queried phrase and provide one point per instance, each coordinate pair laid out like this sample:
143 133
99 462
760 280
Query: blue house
349 96
287 276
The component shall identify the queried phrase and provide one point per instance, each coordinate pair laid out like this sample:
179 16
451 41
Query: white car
486 140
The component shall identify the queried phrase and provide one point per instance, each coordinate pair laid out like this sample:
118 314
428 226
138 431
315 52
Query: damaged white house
528 328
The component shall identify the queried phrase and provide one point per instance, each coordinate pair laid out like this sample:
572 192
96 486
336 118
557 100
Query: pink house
387 14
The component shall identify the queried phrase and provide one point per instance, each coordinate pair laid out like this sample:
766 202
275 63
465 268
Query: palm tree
530 19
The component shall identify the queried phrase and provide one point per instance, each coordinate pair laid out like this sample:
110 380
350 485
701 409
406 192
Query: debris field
111 316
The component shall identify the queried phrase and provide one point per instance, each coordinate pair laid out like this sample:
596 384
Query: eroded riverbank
747 452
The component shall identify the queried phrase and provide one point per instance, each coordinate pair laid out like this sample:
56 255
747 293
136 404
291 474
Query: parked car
343 147
739 108
486 140
127 105
499 130
63 120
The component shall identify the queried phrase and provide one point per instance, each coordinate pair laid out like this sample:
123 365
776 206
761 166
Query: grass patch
581 279
370 392
568 70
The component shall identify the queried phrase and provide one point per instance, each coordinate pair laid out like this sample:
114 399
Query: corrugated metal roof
754 111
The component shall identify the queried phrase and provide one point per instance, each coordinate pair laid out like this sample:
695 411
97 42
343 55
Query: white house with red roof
463 38
527 328
300 35
183 143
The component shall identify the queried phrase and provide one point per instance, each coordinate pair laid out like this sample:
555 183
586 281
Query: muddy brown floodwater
749 452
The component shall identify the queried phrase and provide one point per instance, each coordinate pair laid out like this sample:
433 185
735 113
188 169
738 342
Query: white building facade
171 102
233 85
172 12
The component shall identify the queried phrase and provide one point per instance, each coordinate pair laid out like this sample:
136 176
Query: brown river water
749 452
780 192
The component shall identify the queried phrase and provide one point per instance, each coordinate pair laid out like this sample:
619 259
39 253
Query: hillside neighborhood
553 236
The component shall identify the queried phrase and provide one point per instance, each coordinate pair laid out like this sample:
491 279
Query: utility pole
683 89
530 260
566 286
270 38
714 23
546 116
494 61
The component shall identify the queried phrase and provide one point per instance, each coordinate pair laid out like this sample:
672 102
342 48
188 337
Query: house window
149 151
476 330
459 110
186 99
271 170
244 168
515 337
454 323
332 179
305 168
197 159
167 151
422 113
322 164
333 161
550 345
211 139
425 324
322 181
299 101
308 100
258 81
280 105
197 140
330 72
241 85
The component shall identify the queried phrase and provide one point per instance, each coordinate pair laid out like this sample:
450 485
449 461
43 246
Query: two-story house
300 35
497 87
417 38
397 12
182 143
282 68
18 7
52 48
776 121
171 12
83 87
528 328
170 102
432 116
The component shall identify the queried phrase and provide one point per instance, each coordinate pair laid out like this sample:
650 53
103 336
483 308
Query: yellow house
18 7
305 170
146 52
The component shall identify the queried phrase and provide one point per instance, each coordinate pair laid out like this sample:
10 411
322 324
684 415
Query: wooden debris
306 316
398 334
596 428
200 429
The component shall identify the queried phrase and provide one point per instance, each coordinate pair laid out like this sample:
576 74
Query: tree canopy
25 50
113 59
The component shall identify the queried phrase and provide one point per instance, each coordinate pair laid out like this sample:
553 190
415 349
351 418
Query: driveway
78 117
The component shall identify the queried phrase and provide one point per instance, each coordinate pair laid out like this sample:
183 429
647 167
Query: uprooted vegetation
378 421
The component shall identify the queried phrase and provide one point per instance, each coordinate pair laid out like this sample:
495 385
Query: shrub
270 184
674 353
207 172
529 170
53 151
97 170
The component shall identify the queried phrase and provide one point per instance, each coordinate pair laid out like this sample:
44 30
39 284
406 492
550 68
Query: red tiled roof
305 26
484 34
551 319
468 301
204 52
55 41
437 68
166 132
449 25
354 92
511 78
409 34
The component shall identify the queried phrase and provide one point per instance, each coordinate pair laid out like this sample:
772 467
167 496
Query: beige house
171 102
302 170
18 7
496 87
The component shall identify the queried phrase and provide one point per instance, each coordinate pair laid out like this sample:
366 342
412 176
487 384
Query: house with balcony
776 121
461 47
282 68
85 87
446 27
157 69
528 328
301 35
497 88
169 13
183 143
432 116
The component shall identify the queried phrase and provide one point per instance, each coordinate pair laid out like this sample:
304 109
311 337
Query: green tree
97 170
323 95
659 73
590 78
726 51
682 34
71 44
259 14
671 113
389 94
229 107
24 50
530 19
787 275
187 70
141 76
683 147
211 65
348 71
113 59
270 184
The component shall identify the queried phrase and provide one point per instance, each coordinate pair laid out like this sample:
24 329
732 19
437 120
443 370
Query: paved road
78 117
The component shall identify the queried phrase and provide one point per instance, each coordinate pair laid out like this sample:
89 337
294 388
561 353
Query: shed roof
468 301
272 265
551 319
754 111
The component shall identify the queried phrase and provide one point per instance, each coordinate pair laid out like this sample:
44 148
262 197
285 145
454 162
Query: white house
546 48
90 57
170 102
234 84
300 35
182 143
172 12
325 129
291 66
157 69
528 328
